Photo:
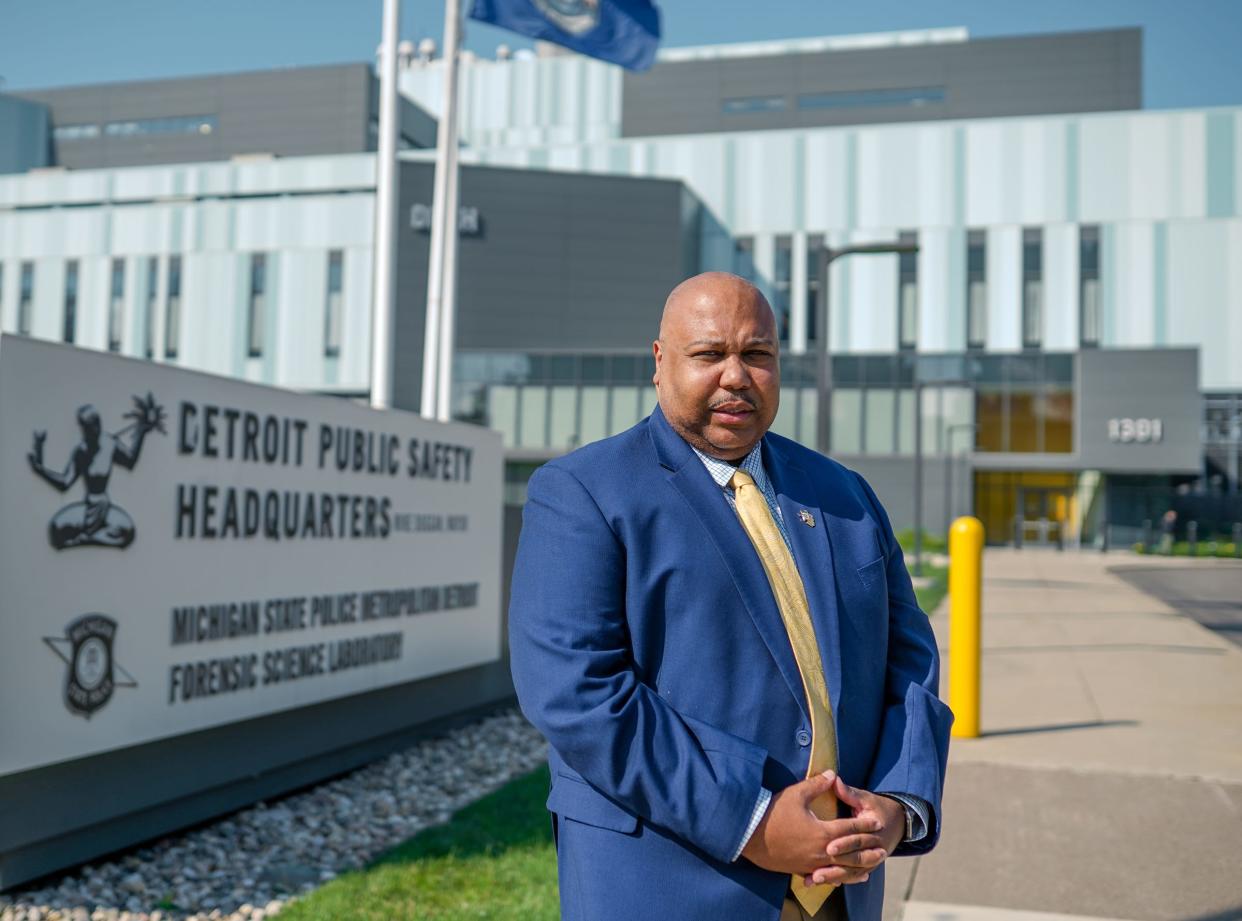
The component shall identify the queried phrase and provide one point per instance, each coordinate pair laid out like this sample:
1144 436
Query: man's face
717 365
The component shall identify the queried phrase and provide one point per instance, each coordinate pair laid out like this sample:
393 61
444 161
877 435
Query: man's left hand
853 857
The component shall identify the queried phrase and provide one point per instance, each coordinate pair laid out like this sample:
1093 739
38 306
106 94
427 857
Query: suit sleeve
913 747
574 672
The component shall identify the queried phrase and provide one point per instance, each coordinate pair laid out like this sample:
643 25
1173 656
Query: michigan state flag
626 32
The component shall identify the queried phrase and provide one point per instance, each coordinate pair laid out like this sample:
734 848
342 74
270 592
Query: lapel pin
807 518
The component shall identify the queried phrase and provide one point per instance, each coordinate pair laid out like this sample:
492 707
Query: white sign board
180 550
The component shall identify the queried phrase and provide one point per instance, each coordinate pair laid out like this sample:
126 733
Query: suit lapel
812 549
700 492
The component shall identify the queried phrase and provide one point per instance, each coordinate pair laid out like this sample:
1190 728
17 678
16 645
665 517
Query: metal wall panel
562 261
1024 75
322 110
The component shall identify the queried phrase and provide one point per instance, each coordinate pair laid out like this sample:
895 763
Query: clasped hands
792 839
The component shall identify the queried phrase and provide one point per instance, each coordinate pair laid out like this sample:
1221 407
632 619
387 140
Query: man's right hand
792 839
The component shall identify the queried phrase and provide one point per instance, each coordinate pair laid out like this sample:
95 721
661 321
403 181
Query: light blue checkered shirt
722 472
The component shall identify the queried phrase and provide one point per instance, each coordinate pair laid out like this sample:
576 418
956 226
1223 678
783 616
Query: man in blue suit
715 630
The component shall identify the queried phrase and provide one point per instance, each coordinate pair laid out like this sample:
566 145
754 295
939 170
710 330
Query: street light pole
823 361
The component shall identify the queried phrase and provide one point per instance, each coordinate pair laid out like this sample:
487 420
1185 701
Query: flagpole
383 286
443 219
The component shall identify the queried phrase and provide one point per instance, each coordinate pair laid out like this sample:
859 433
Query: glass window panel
172 308
594 424
781 284
878 370
624 408
651 399
69 332
807 421
956 406
846 409
536 368
1059 369
1058 413
594 369
1032 312
116 305
563 421
1090 305
533 426
905 422
786 421
1024 422
25 300
754 104
502 411
876 98
881 405
744 258
148 319
990 417
258 305
846 369
624 369
977 314
332 305
562 369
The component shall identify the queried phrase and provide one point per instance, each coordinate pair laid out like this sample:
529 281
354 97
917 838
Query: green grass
493 861
931 595
1207 548
932 543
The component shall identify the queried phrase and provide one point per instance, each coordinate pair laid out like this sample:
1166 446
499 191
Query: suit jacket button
804 738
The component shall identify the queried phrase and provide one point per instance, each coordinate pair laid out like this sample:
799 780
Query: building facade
1067 326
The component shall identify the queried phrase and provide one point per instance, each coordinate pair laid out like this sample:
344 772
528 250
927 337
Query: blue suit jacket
647 647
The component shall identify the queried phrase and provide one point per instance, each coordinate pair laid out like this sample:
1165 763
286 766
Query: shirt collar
722 471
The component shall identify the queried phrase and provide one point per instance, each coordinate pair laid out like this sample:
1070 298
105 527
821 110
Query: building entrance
1018 507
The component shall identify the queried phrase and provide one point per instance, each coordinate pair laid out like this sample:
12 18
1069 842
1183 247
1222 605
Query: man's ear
658 353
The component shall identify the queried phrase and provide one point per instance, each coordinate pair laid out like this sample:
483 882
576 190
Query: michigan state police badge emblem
86 648
573 16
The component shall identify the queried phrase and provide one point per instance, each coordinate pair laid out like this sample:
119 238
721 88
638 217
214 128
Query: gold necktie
786 584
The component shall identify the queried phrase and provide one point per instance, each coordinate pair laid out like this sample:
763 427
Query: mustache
716 404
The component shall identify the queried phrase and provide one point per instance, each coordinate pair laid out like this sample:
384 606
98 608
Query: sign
181 550
1135 431
468 223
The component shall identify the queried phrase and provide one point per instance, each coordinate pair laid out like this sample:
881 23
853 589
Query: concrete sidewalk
1108 782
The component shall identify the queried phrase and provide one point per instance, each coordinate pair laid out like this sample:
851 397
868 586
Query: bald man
715 630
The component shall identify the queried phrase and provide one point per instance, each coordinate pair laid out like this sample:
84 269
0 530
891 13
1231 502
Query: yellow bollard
965 622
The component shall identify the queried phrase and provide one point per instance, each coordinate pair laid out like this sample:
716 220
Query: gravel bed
252 863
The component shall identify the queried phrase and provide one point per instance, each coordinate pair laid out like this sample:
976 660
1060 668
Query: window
69 331
781 284
744 258
873 99
148 320
186 124
814 251
976 289
258 305
332 306
1032 288
1089 287
753 104
172 308
25 299
908 294
1 291
75 132
116 305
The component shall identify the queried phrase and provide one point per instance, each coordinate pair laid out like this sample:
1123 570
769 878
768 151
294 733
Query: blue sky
1191 47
